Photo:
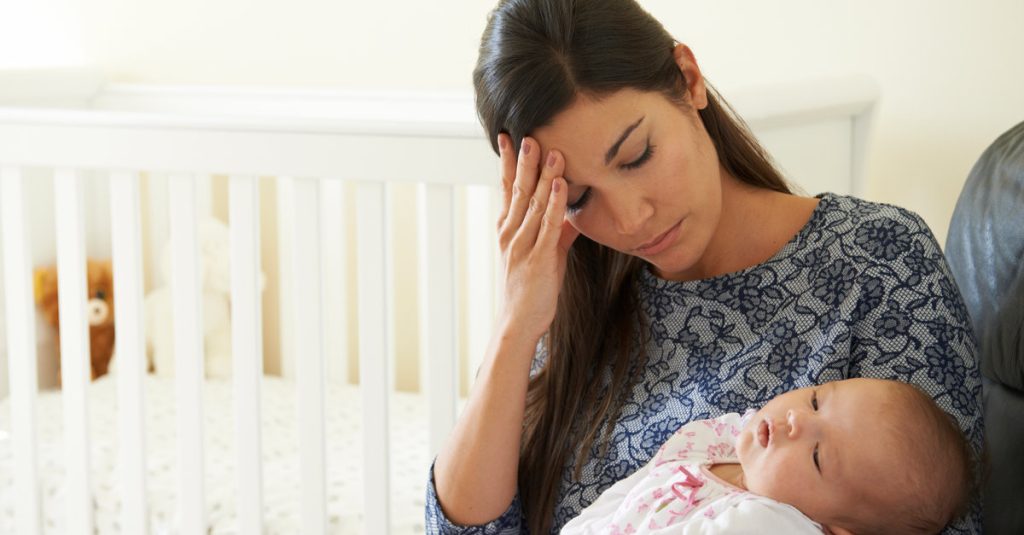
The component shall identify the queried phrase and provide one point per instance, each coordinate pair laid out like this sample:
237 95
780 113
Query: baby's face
823 449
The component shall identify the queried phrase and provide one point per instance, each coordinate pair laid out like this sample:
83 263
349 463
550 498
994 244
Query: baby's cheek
743 446
763 477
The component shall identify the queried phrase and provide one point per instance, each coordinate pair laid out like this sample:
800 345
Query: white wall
949 73
36 33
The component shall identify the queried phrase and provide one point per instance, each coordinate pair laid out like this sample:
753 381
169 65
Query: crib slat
188 352
286 280
482 266
126 246
155 206
308 342
334 248
247 348
437 315
74 343
21 352
373 362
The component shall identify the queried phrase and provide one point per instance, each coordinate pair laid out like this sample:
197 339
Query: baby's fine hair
939 472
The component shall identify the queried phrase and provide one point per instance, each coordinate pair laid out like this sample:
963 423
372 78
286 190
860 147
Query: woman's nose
630 214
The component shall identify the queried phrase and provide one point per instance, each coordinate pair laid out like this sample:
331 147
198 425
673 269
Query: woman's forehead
589 127
602 113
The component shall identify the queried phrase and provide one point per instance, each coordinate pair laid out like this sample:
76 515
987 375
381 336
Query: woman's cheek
583 221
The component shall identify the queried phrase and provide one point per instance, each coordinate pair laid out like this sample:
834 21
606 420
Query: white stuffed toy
215 276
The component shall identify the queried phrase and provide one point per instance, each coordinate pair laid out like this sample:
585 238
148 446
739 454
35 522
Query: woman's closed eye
648 152
579 203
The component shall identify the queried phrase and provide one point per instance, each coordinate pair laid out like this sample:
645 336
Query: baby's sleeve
754 516
597 515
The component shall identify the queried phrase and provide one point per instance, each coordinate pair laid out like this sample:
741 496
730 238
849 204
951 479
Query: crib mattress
409 458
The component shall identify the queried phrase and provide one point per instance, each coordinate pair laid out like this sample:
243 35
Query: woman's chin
671 269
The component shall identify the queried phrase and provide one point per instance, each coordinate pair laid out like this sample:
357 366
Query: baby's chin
744 444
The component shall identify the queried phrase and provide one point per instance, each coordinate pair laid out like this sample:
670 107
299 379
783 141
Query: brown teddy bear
100 310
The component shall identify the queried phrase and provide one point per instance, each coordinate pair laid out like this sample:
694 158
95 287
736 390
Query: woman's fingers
568 235
522 190
555 230
527 235
508 175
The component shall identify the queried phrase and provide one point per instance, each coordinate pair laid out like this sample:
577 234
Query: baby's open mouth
764 432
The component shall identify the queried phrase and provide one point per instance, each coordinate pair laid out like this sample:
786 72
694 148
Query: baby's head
859 456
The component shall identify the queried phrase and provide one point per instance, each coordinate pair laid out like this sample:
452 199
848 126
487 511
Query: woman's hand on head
533 234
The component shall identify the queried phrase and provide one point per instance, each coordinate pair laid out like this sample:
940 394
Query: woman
658 270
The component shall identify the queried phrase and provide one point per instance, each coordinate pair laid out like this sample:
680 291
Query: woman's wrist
512 333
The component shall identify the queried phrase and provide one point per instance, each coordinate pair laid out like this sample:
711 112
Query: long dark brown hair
536 57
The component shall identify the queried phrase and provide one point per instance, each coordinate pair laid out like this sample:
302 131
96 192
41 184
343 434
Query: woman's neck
755 224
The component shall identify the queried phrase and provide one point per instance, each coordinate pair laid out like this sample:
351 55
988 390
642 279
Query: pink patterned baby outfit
677 493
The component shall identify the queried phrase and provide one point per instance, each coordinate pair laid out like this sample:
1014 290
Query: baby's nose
794 420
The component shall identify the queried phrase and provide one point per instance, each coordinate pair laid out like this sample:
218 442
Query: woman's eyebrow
615 148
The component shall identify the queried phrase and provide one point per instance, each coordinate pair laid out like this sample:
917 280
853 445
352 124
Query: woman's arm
476 473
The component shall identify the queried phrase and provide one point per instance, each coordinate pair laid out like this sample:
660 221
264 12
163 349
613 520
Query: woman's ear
695 87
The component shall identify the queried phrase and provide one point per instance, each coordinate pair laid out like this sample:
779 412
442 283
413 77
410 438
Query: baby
860 456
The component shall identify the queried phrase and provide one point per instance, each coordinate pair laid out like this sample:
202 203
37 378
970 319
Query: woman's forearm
475 474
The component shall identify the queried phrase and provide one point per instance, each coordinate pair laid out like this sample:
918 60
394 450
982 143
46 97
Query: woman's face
643 176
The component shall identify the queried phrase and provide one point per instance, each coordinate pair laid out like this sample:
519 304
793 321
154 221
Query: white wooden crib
65 125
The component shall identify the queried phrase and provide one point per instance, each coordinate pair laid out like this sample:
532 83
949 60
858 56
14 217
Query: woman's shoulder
858 212
881 231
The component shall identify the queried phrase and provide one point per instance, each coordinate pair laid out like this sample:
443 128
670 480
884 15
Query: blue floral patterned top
862 291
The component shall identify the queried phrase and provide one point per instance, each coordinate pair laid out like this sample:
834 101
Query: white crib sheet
280 459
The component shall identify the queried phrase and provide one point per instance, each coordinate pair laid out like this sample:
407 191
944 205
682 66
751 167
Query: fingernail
526 147
556 186
501 143
551 159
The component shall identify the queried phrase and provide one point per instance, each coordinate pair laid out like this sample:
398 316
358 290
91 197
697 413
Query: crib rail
123 144
444 153
311 157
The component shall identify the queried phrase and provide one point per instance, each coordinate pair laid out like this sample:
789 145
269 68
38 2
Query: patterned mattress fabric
281 493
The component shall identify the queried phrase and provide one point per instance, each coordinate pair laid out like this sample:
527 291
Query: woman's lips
660 243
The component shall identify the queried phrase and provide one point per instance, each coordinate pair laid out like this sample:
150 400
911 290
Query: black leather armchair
985 250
